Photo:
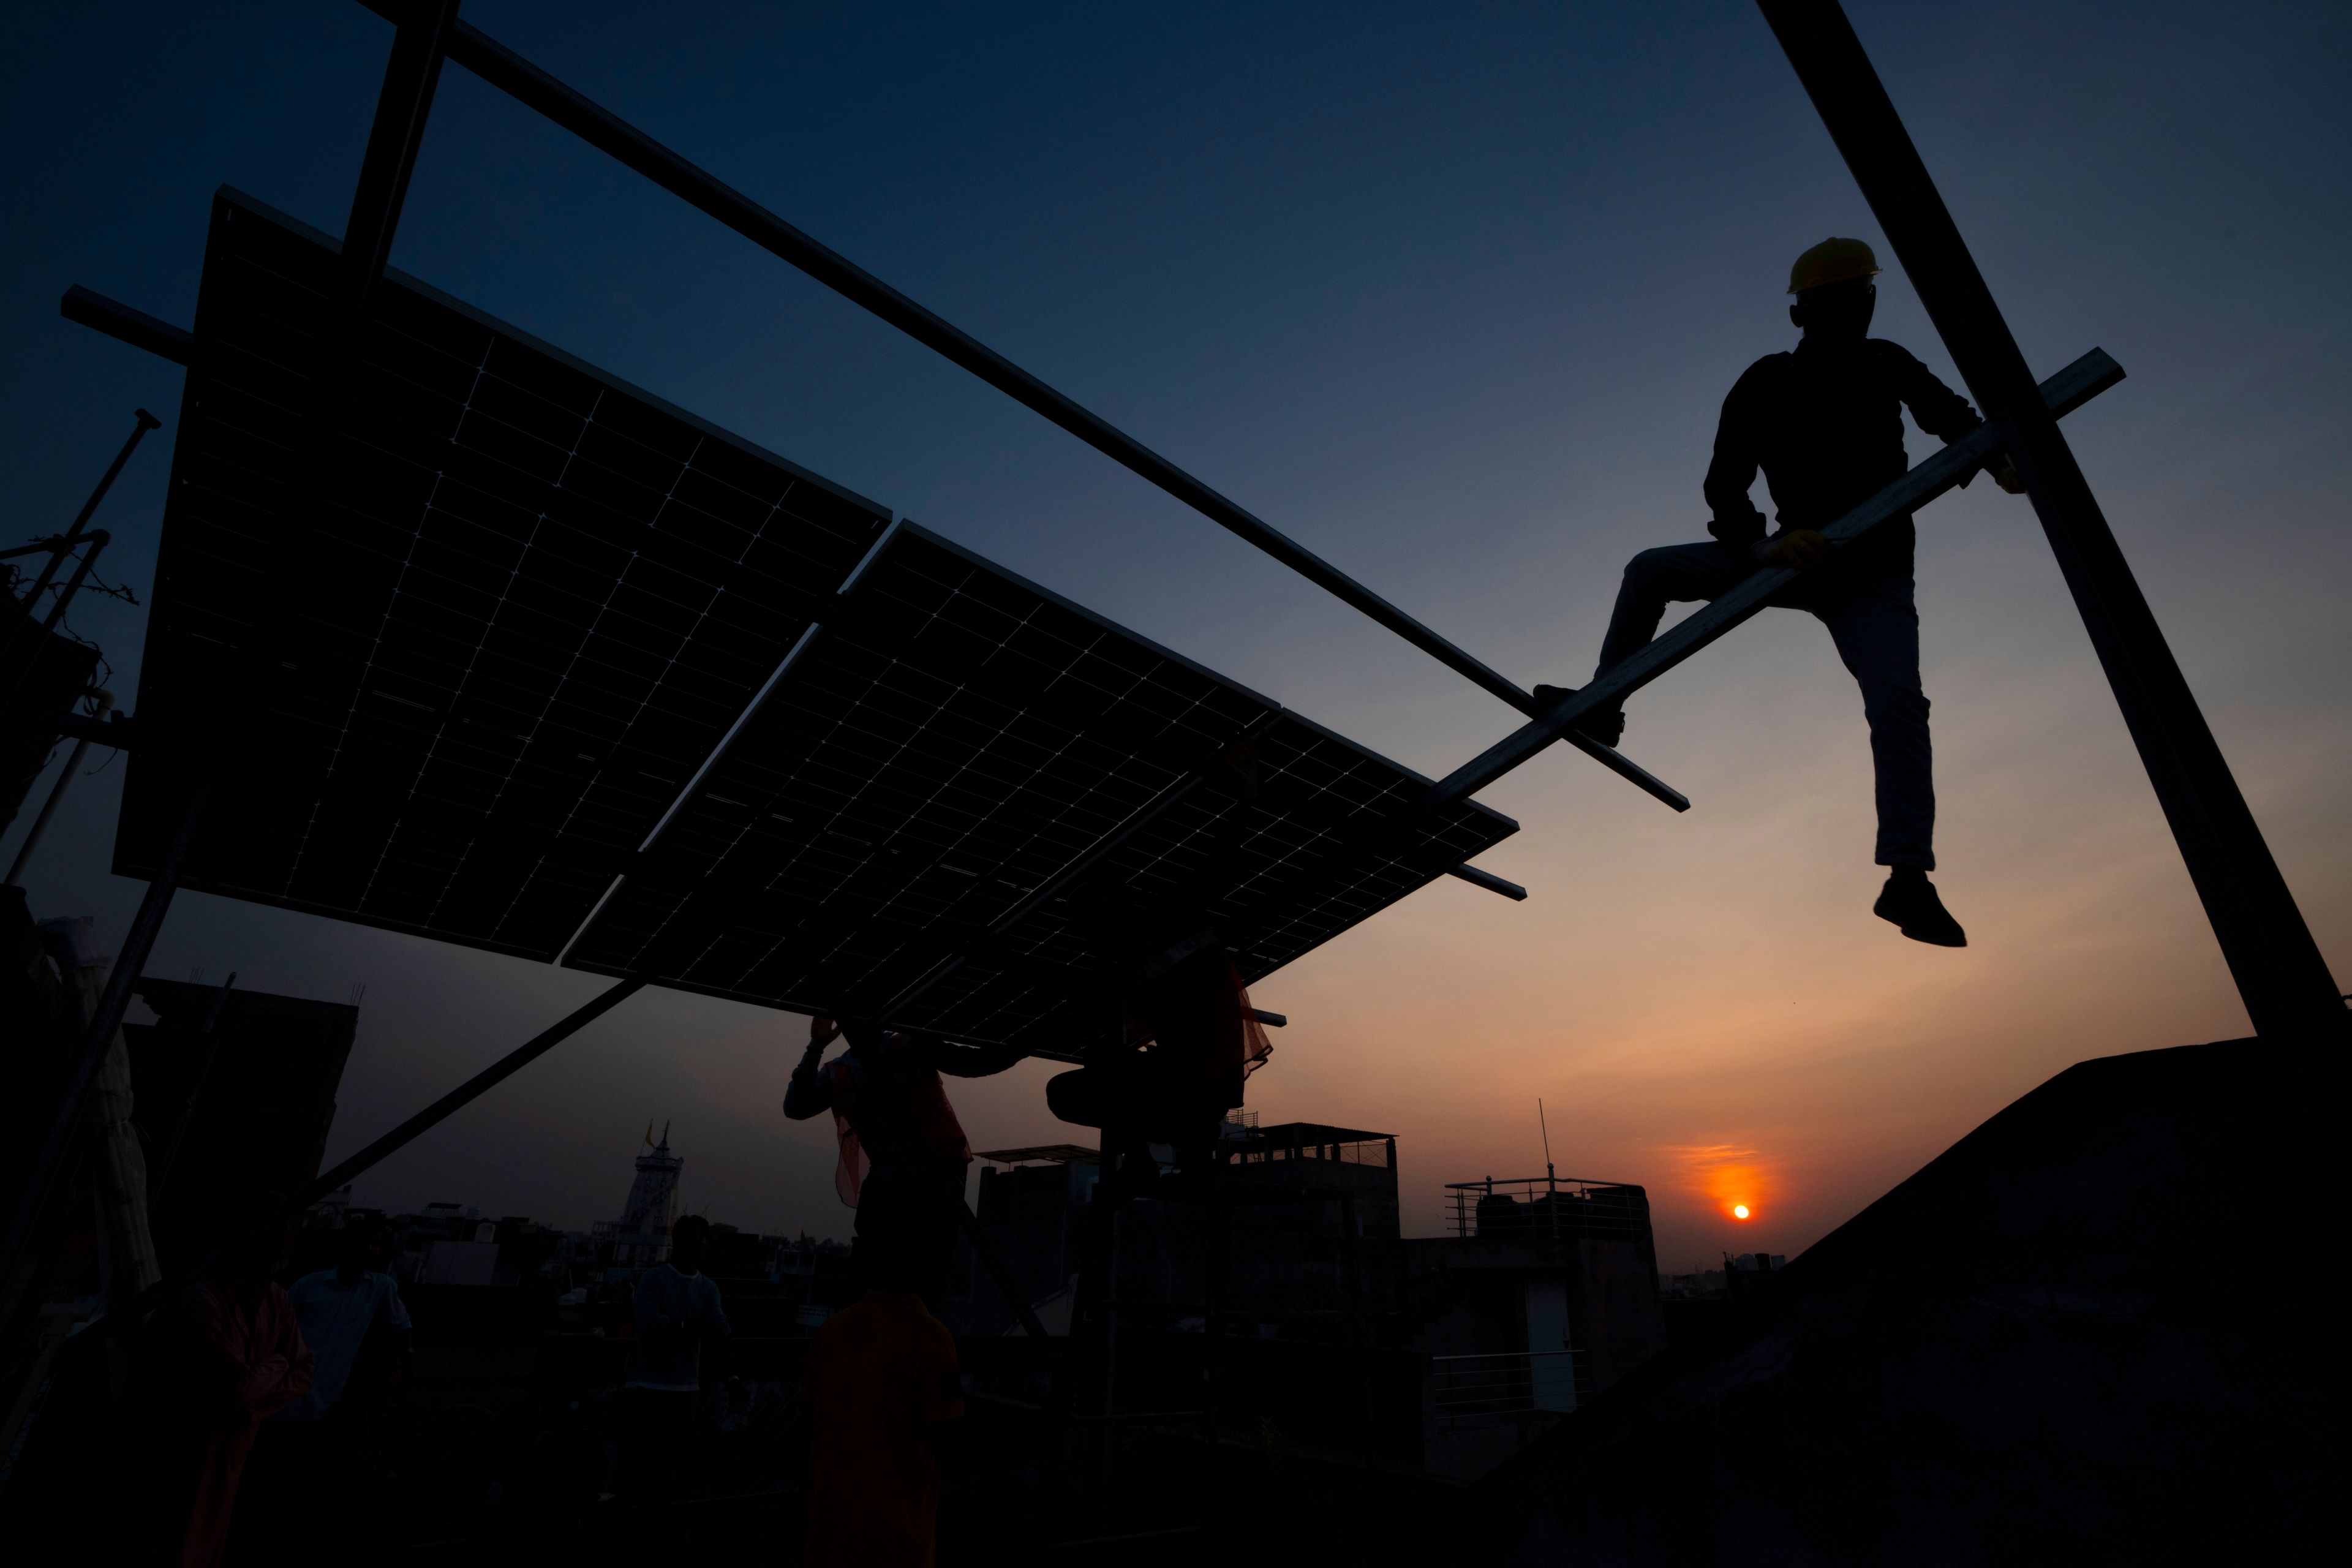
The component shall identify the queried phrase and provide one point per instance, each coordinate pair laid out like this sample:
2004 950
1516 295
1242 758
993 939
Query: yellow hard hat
1832 261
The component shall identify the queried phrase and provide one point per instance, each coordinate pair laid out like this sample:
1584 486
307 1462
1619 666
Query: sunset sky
1452 295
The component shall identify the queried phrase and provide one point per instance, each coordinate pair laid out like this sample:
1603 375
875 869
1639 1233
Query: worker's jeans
1876 629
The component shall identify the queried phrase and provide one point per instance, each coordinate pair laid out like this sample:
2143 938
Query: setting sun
1739 1211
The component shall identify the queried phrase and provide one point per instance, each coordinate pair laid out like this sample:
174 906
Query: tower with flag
653 1195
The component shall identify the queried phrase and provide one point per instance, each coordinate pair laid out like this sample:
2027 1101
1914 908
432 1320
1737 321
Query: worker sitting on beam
1825 424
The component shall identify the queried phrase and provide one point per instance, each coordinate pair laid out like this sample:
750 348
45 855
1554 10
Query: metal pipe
2280 973
2066 391
402 106
143 422
97 541
115 732
118 320
608 133
49 806
24 637
1489 880
38 639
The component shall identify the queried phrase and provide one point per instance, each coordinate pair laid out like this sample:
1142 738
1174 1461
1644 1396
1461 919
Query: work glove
1799 549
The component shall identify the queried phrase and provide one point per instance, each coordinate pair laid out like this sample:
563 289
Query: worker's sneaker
1606 725
1910 902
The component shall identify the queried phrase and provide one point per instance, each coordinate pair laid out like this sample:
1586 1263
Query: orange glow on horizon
1733 1180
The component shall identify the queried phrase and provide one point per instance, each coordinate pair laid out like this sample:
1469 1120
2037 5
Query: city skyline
1454 303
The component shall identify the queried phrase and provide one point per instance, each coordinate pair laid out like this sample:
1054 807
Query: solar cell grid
533 598
949 739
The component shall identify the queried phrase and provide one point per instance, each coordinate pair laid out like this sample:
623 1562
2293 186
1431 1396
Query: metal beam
608 133
401 109
2281 974
142 422
116 732
1489 880
2061 393
256 1226
120 321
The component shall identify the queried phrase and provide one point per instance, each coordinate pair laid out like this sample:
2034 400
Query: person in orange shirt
214 1363
887 1406
904 1157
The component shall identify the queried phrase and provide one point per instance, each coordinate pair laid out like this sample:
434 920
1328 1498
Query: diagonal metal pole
2061 395
608 133
256 1226
410 79
2288 992
145 422
26 638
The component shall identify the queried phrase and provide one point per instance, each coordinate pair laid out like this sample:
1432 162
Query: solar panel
571 674
532 599
947 740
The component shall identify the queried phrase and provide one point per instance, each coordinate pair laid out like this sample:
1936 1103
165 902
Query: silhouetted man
306 1456
904 1157
678 1317
1825 424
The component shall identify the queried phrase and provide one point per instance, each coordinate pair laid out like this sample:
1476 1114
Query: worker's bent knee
1652 564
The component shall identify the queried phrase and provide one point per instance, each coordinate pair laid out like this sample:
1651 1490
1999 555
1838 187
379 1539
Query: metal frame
2295 1003
120 322
256 1227
1954 465
572 111
2280 973
401 113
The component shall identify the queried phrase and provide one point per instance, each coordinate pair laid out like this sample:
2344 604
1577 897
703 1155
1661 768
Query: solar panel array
530 599
949 739
565 673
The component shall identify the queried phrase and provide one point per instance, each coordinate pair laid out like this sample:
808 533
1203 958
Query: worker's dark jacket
1825 424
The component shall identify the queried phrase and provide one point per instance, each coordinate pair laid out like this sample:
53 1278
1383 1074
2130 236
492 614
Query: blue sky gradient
1452 295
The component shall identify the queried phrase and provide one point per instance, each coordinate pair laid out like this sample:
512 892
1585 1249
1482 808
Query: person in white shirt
350 1314
679 1316
352 1319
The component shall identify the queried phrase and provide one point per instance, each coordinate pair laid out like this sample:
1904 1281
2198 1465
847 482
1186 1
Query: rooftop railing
1478 1390
1553 1208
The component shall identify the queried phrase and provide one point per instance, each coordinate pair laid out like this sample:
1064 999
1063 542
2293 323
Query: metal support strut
518 77
256 1226
2280 973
